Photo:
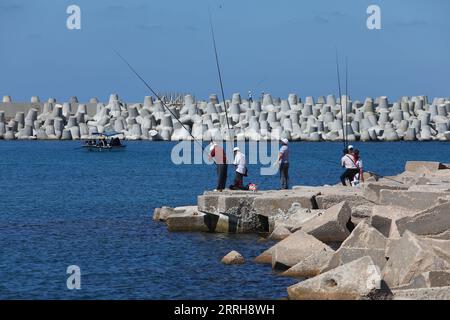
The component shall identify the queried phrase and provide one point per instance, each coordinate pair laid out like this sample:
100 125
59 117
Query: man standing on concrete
283 160
241 170
348 162
218 154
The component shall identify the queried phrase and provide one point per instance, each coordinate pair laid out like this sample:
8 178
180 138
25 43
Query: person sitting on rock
348 162
241 170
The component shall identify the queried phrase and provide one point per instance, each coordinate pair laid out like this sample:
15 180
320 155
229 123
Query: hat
285 141
236 149
350 147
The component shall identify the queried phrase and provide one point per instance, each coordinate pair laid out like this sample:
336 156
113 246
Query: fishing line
156 95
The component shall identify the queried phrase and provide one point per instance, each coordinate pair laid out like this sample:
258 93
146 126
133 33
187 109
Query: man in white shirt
283 159
348 162
241 169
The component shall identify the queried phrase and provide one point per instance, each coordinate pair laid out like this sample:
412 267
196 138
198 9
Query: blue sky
273 46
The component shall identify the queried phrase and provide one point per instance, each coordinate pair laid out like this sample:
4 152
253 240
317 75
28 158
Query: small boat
104 142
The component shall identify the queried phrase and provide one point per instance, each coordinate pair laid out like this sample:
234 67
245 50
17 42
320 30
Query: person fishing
241 170
348 162
250 97
283 160
217 153
359 177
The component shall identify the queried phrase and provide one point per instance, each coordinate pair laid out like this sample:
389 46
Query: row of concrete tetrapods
267 118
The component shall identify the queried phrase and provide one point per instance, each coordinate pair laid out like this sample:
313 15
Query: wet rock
189 221
356 280
233 257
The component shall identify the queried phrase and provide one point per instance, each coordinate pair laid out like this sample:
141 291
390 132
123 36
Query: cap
236 149
285 141
350 147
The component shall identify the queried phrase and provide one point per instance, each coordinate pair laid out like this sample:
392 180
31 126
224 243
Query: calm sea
62 206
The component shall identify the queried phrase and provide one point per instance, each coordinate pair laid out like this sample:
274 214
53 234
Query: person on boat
348 162
359 177
217 153
283 160
241 170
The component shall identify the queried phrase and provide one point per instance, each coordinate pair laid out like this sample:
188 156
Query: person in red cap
217 153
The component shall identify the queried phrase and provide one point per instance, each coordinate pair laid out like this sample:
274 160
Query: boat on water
104 142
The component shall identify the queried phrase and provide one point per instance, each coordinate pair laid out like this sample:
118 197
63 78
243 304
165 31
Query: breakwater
314 119
384 240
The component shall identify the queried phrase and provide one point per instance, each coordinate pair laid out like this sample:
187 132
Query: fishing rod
370 172
156 95
346 102
218 67
340 96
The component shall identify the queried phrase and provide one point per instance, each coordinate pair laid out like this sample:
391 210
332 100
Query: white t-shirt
347 162
239 161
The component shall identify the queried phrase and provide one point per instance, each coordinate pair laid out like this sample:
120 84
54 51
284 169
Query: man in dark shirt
218 154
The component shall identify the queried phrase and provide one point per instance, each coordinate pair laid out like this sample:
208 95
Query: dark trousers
238 181
221 176
348 174
284 175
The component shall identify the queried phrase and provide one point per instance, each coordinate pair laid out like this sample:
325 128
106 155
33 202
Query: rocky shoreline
384 240
267 118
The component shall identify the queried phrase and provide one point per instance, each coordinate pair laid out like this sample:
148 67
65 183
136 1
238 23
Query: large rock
372 190
266 256
359 279
412 255
432 221
332 226
439 293
429 279
233 257
412 200
363 241
311 266
271 204
191 221
280 233
418 166
384 219
295 248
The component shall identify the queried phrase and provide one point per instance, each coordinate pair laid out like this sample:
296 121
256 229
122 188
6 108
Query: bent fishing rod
346 103
370 172
340 97
218 67
156 95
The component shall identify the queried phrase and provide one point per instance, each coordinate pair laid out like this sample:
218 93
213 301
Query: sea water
62 206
